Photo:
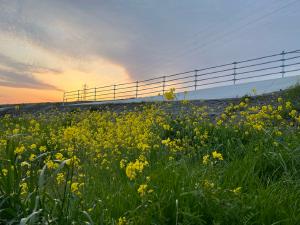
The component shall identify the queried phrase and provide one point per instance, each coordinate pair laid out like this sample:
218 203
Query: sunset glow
48 47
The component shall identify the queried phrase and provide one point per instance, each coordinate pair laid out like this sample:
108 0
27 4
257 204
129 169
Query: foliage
149 167
170 95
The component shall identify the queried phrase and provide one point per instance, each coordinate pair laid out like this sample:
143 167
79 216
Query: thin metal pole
164 83
78 95
84 92
196 75
282 65
64 98
234 72
95 94
115 92
137 89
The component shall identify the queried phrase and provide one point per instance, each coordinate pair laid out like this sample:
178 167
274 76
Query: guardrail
261 68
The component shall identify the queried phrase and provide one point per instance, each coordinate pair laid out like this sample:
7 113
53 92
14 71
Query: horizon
51 46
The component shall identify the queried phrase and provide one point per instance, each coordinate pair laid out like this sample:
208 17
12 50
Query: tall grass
89 167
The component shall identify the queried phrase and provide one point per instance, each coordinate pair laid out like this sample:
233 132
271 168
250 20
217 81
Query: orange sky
68 73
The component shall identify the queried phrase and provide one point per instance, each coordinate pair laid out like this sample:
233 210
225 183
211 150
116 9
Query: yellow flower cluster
133 168
170 95
215 155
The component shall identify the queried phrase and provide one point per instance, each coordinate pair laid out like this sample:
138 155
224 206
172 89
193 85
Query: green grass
257 182
293 94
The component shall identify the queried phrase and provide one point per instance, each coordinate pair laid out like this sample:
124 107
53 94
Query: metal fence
262 68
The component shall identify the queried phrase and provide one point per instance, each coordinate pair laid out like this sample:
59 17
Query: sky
51 46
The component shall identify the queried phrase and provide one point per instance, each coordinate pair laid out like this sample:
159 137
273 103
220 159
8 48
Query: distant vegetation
150 167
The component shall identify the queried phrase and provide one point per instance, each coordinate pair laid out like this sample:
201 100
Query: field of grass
147 166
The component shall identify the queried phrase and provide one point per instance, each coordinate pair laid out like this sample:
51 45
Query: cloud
148 38
21 67
20 75
132 34
22 80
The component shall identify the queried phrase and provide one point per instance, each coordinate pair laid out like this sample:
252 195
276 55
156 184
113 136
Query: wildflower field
147 166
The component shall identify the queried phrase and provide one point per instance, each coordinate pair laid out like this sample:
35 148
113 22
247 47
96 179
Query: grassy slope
256 181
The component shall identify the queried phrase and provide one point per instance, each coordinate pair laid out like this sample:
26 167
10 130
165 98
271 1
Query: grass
293 94
149 167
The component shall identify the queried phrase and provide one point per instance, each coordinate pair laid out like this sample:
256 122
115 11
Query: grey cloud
19 75
22 80
23 67
149 37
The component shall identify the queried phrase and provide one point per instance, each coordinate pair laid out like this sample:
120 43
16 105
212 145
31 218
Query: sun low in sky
51 46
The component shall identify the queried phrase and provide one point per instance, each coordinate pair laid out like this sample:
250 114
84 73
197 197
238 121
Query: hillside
215 107
217 162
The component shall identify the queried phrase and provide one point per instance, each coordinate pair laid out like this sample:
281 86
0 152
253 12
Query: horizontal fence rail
262 68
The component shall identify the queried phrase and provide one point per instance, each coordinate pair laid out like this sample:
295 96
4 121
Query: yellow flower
264 108
219 122
293 113
278 133
205 159
75 187
123 163
288 105
73 161
208 184
60 177
33 146
24 188
237 190
258 127
32 157
122 221
4 172
279 100
166 127
170 95
59 156
16 131
43 148
142 189
51 165
25 164
20 150
217 155
133 168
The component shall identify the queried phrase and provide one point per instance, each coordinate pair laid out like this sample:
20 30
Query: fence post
115 92
78 95
164 83
196 75
283 64
234 72
137 89
64 98
95 94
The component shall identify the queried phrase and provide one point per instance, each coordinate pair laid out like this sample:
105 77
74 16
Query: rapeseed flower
75 187
237 190
217 155
20 150
205 159
24 188
4 172
142 189
122 221
32 157
60 178
59 156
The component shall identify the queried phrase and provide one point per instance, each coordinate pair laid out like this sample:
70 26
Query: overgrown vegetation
147 167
